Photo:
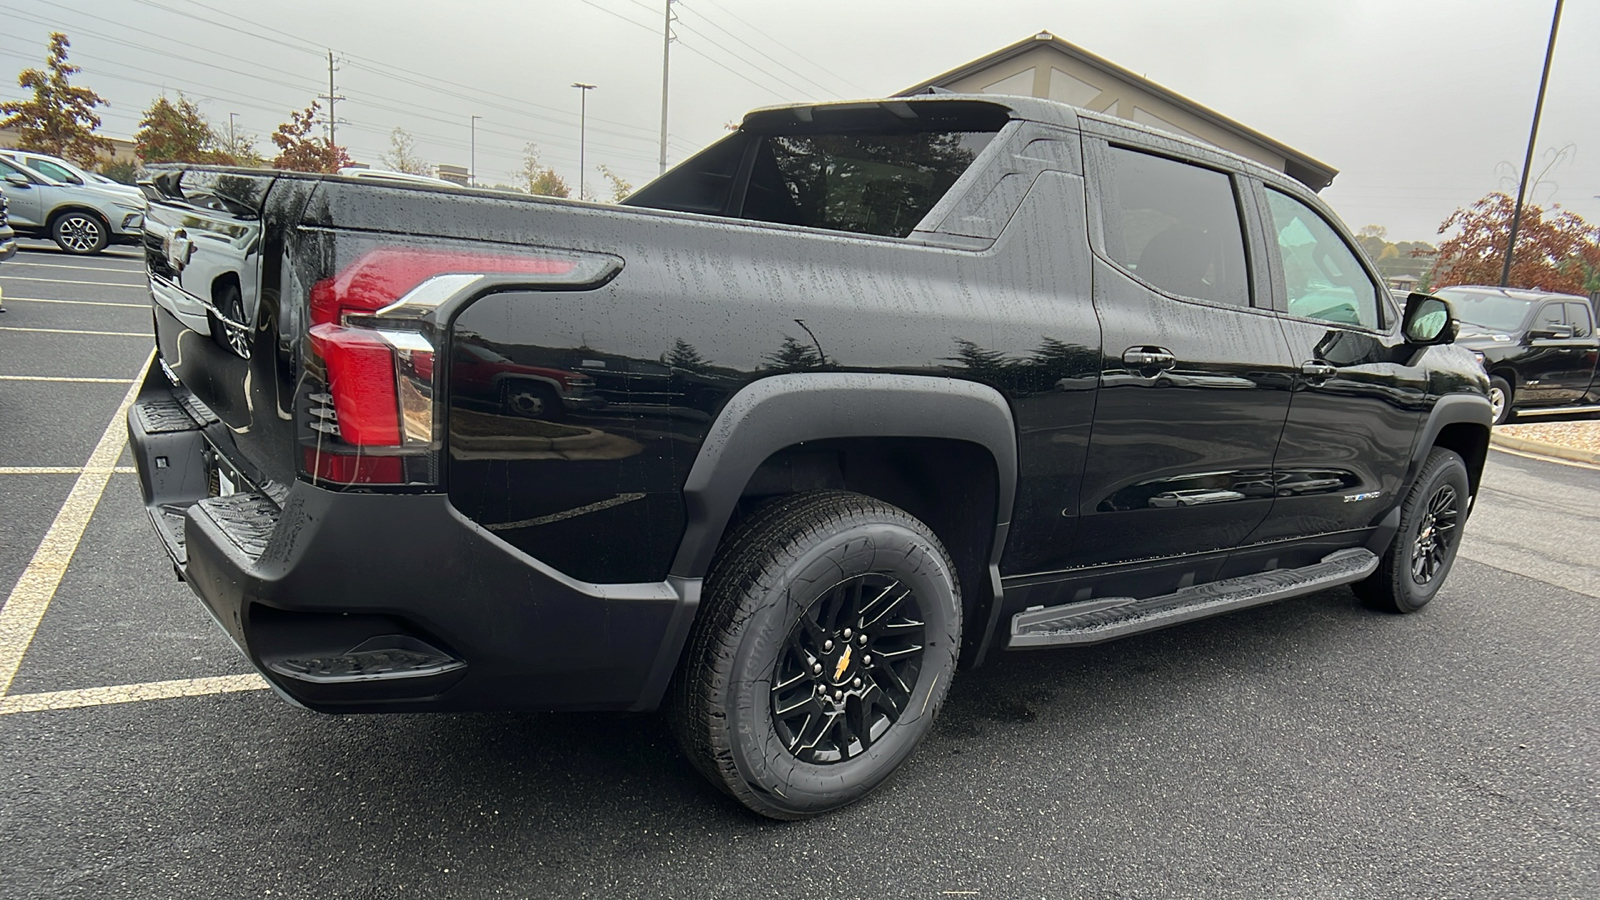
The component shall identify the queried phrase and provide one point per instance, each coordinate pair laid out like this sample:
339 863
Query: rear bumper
323 573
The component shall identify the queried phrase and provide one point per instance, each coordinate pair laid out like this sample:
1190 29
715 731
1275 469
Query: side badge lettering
1356 498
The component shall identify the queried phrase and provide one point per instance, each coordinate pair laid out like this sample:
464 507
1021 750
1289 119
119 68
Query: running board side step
1094 621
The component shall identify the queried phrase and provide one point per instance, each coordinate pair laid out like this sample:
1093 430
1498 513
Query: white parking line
65 378
131 693
135 267
78 302
25 607
66 470
119 284
138 334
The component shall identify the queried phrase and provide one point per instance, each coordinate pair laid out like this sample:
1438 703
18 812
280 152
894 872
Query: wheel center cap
843 665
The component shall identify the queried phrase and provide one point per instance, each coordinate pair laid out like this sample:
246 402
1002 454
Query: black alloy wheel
848 669
824 646
1432 516
1435 541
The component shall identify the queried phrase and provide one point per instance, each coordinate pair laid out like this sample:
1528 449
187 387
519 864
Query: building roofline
1315 173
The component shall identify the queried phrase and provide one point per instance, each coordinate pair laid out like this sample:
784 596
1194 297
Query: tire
783 590
531 400
1500 400
1431 519
80 233
230 303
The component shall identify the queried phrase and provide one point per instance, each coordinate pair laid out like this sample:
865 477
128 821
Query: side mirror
18 179
1428 321
1552 333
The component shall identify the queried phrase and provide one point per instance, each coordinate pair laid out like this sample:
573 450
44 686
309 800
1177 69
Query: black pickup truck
859 394
1539 348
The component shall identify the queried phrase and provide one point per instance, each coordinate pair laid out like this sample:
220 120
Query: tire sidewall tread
744 622
1391 588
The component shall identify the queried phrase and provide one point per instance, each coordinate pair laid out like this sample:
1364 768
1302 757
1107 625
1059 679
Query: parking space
1312 748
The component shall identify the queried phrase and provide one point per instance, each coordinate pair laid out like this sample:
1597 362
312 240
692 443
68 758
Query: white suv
80 217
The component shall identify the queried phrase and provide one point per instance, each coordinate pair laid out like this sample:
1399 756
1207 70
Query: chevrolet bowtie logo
844 663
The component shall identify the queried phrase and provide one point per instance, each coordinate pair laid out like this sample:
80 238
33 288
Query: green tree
683 355
60 118
620 189
402 155
177 132
539 179
795 355
300 152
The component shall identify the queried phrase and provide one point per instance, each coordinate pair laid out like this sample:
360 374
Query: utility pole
583 127
332 98
1533 134
233 142
666 56
472 168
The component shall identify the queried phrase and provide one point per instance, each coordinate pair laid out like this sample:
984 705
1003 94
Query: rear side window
1175 226
880 184
51 170
1322 277
1582 323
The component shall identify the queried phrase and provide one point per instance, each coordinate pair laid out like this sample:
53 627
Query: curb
1540 448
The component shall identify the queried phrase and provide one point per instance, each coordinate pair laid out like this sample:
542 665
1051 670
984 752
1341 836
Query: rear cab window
875 169
1174 225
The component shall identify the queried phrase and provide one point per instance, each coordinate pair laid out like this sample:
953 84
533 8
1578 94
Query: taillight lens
373 334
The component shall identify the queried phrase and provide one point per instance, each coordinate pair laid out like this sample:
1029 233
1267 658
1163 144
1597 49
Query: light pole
233 143
583 127
1533 135
472 165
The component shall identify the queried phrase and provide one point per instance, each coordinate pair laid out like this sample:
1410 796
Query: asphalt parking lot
1308 749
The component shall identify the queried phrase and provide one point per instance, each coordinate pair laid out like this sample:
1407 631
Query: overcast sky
1422 106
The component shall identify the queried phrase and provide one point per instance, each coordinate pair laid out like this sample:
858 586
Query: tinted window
1175 226
1322 277
1578 314
1496 312
1549 315
51 170
863 183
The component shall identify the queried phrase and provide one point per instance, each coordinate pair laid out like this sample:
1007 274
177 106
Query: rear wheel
532 400
822 652
1500 400
1423 550
80 233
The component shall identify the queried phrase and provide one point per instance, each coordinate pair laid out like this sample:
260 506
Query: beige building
1047 66
122 150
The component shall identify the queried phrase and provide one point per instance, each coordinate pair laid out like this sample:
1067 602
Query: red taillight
381 277
354 469
372 327
361 378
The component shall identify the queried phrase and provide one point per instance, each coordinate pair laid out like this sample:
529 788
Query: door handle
1149 358
1315 369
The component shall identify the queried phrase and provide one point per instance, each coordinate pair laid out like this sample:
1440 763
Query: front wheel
1500 400
1431 519
822 652
79 233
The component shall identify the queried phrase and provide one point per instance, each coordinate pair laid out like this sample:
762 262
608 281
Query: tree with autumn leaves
299 151
59 119
1555 252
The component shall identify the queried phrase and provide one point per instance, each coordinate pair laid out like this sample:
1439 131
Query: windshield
1495 312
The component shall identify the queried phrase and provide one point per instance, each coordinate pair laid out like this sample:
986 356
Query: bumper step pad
378 659
1094 621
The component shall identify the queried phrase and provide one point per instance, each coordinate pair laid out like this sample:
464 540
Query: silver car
80 218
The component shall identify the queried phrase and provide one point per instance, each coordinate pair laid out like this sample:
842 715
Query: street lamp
583 127
472 166
233 143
